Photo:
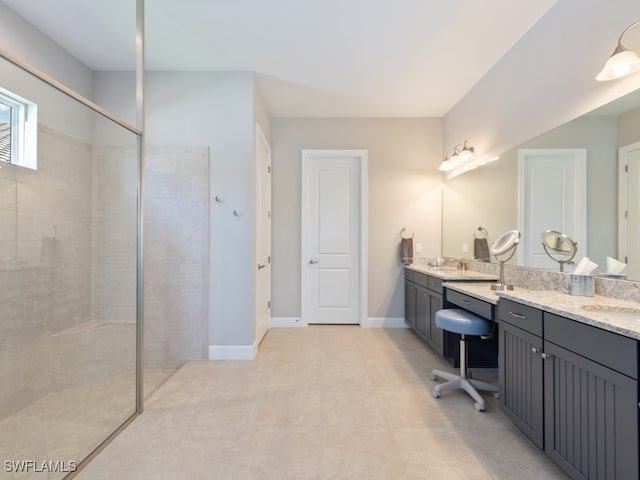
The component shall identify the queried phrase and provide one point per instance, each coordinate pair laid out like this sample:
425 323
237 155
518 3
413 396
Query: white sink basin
614 311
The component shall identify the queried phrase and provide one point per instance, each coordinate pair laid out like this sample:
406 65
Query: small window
18 130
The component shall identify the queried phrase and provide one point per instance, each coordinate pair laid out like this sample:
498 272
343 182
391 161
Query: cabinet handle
466 302
546 356
535 350
517 315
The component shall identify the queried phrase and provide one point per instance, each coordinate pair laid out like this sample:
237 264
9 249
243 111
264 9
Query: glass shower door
68 280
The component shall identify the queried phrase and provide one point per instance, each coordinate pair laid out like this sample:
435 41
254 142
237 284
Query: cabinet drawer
435 284
409 275
522 316
606 348
472 304
421 279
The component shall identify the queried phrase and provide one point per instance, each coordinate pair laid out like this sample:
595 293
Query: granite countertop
626 321
480 290
451 273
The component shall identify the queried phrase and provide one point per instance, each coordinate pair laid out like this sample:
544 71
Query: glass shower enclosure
69 275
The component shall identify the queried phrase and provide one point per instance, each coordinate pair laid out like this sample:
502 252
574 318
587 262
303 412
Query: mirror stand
500 286
507 243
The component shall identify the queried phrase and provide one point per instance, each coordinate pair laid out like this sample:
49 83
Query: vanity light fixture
466 153
457 157
622 62
449 163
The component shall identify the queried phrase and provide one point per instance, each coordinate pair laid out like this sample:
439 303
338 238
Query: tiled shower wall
176 249
45 256
67 265
176 283
114 234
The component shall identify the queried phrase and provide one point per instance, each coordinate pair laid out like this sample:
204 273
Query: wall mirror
599 143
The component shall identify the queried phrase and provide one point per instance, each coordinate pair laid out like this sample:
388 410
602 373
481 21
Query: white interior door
332 237
629 209
552 196
263 235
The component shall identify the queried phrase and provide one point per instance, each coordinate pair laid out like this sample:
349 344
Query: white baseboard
233 352
385 322
285 322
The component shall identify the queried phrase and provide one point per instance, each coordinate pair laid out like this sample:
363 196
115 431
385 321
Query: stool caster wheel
496 395
433 376
479 407
435 393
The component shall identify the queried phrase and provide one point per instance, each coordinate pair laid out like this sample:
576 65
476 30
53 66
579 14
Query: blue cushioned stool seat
463 322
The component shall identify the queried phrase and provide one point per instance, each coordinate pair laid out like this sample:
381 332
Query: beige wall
404 190
628 124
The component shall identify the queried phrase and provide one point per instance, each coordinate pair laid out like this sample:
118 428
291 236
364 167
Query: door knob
313 262
260 267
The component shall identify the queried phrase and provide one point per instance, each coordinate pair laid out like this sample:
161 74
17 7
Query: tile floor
323 402
65 425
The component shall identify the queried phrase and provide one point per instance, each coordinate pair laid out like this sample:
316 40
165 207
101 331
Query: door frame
260 138
363 160
623 152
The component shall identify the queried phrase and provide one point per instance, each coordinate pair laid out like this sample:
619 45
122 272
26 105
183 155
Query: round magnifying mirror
503 249
505 242
560 247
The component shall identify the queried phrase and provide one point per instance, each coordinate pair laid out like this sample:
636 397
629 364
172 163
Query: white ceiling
313 58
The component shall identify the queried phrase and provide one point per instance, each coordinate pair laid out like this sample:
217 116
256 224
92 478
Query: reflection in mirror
488 195
559 247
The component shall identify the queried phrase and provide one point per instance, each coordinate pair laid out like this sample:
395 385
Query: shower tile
8 194
177 185
8 226
200 186
153 186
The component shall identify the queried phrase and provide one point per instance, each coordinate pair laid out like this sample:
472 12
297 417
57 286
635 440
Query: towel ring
483 231
404 229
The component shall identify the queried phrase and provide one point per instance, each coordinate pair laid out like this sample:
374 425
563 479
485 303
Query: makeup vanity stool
463 322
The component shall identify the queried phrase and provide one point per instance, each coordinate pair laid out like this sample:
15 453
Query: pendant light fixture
622 62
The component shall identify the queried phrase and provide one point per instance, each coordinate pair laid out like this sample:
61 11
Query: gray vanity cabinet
410 301
423 298
591 400
422 312
573 389
435 335
520 368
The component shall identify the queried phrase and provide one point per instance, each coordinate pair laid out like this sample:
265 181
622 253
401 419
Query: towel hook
482 230
404 229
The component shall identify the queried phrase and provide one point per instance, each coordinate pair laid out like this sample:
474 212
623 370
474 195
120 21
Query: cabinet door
422 311
410 303
521 381
435 335
591 417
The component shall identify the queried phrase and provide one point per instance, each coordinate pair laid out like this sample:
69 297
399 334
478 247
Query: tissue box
581 285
